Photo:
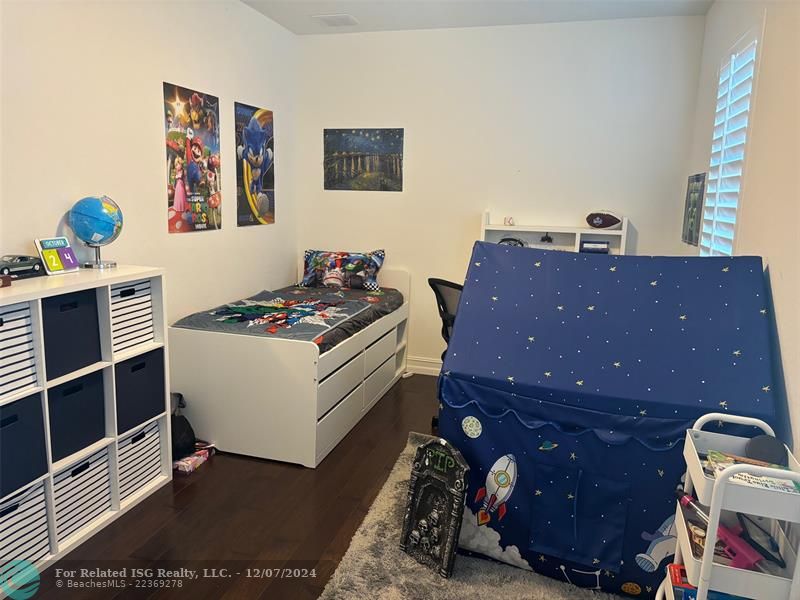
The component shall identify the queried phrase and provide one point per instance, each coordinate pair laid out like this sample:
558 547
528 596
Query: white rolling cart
721 493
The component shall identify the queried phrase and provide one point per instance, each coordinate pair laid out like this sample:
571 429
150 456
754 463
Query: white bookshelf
564 237
127 456
726 494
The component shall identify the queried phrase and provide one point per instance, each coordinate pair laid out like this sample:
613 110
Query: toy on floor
435 506
189 464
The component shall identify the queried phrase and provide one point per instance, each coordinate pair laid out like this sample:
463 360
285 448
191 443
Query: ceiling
389 15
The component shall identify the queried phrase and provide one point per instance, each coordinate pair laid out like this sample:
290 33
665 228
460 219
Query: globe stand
97 263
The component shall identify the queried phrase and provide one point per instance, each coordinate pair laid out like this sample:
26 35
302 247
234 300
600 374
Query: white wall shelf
42 417
564 237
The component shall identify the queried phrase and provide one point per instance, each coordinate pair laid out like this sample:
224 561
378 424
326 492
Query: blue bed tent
568 386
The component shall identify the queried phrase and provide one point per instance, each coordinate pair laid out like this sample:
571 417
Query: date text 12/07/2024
185 573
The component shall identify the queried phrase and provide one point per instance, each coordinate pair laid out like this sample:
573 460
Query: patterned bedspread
320 315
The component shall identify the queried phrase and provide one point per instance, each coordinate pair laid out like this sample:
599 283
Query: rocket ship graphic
499 485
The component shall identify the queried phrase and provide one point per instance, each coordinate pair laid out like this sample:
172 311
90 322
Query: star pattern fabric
588 369
668 335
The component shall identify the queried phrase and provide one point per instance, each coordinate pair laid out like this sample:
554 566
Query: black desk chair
447 295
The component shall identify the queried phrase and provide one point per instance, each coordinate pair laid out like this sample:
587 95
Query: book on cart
717 461
683 590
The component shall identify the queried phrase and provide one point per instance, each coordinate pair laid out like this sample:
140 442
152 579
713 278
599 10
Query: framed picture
693 210
363 159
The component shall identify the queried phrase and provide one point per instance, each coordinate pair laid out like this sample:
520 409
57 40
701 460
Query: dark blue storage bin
23 456
77 414
71 332
140 389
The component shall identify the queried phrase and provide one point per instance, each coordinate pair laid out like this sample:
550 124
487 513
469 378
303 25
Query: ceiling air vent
336 20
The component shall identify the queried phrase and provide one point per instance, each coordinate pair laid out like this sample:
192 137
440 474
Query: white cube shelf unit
564 237
84 406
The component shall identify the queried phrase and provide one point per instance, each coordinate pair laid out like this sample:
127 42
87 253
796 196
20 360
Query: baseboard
422 365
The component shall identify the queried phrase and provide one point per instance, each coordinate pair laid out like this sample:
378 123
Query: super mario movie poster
255 171
191 123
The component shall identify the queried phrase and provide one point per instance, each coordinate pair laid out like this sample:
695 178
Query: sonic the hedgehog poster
191 123
255 172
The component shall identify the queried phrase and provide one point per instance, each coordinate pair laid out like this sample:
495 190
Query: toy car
14 264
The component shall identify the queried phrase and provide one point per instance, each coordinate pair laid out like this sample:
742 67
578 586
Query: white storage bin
131 315
23 526
139 459
82 494
17 356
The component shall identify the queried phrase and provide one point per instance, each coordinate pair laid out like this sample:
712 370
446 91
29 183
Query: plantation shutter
734 94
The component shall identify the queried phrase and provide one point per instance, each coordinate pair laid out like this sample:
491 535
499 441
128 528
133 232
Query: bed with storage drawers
288 399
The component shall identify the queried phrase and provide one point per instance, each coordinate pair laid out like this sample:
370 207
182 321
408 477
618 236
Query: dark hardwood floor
238 513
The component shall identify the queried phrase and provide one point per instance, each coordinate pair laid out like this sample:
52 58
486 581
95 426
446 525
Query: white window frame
753 36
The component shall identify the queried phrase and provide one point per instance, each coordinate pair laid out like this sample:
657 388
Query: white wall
542 122
770 200
82 114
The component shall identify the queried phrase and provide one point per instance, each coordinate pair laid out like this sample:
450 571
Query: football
604 219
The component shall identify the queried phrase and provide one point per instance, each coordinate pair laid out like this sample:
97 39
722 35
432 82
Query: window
734 97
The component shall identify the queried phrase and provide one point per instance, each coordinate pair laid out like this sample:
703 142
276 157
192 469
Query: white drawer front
339 383
380 351
131 315
139 459
82 494
17 356
375 383
339 421
23 526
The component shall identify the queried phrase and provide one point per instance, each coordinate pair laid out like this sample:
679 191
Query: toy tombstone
435 506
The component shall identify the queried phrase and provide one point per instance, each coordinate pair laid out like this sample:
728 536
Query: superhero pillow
359 270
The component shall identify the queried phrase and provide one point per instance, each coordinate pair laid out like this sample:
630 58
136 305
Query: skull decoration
413 537
434 518
435 535
423 526
426 544
435 552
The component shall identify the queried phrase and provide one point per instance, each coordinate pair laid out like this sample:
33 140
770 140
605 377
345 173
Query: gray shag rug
374 566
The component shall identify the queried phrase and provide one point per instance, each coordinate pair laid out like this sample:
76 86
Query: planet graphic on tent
472 427
547 446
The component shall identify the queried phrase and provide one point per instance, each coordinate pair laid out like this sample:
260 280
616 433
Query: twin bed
285 375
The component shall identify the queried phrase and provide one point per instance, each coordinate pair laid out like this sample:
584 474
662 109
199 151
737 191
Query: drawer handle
9 509
9 421
127 292
78 470
138 367
72 390
68 306
137 438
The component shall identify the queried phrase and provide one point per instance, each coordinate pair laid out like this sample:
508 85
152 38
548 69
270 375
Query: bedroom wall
770 199
542 122
82 114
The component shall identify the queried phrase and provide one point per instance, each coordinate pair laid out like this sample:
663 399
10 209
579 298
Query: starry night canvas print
363 159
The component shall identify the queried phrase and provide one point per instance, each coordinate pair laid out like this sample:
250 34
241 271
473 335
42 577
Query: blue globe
96 220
